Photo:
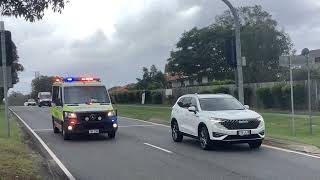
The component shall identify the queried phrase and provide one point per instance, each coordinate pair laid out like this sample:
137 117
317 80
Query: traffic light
9 51
230 51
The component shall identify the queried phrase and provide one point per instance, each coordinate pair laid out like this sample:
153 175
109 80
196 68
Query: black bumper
45 103
85 127
236 139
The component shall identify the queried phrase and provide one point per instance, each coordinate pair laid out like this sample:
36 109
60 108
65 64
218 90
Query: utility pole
291 92
305 52
238 50
4 71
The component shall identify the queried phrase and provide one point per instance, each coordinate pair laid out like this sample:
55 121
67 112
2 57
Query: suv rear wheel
204 138
176 134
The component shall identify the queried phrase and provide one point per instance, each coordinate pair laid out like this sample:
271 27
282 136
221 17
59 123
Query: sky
114 39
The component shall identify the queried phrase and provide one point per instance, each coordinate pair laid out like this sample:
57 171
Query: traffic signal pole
238 50
4 71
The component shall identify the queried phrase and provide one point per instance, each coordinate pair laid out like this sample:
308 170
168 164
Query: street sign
299 62
8 49
9 77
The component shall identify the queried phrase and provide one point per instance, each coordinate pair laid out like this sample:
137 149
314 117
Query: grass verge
15 157
278 125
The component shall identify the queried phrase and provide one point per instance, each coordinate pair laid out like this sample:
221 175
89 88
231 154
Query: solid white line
291 151
54 157
267 146
165 150
42 129
139 125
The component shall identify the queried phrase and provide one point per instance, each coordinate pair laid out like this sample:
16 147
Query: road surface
144 151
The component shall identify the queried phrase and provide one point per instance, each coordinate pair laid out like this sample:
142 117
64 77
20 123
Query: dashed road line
157 147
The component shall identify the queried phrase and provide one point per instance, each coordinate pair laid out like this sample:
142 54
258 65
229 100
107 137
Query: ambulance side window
55 95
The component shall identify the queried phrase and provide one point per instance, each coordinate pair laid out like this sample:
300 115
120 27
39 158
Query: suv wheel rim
174 131
203 138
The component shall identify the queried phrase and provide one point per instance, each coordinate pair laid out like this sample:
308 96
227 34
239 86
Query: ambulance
81 105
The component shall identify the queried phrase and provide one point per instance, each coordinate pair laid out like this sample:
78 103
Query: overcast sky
114 39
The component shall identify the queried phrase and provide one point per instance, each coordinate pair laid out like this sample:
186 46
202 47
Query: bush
279 96
299 95
247 93
205 92
156 98
132 97
221 89
265 96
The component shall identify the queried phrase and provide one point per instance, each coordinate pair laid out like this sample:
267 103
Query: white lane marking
139 125
165 150
145 121
291 151
42 129
266 146
54 157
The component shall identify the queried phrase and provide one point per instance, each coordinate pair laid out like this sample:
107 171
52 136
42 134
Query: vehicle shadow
220 146
86 137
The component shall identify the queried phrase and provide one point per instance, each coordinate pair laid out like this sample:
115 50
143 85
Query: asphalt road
142 151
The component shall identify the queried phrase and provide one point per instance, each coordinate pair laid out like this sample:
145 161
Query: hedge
279 96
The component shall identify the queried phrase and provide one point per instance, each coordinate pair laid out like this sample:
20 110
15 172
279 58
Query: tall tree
31 10
201 51
152 79
41 84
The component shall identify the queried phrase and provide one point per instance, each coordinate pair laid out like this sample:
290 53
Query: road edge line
264 145
50 152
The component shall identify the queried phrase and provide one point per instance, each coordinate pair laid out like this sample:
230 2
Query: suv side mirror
192 109
246 106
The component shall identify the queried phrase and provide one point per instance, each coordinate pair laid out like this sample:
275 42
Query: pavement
144 151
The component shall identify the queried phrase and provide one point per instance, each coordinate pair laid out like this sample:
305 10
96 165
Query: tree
17 99
152 79
16 67
31 10
201 51
41 84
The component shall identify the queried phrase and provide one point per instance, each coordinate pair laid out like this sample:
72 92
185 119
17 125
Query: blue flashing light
69 79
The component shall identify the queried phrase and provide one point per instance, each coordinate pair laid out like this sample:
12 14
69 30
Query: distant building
176 81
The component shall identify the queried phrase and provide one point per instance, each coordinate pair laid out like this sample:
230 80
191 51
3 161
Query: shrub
156 98
265 96
205 92
132 97
247 93
221 89
279 96
299 95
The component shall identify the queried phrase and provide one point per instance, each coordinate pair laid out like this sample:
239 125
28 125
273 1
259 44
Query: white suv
216 117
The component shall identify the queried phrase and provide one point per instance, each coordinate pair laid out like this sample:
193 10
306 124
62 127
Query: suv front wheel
204 138
176 134
255 145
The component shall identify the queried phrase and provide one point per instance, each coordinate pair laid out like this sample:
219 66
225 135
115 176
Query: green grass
15 158
278 125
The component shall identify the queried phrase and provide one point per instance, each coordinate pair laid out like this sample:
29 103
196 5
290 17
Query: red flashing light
73 121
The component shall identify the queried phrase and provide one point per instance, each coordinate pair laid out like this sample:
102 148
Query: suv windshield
220 104
31 100
85 94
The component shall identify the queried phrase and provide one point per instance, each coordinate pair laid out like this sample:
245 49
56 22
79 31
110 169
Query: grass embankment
278 125
15 157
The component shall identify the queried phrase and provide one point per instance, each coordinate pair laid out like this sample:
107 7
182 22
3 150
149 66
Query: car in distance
44 99
216 118
30 102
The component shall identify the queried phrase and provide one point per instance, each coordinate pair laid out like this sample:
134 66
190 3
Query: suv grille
241 124
92 116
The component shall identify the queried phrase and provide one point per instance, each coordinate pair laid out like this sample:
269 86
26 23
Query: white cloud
114 39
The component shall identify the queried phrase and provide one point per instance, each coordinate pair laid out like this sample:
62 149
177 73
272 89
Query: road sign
8 49
299 62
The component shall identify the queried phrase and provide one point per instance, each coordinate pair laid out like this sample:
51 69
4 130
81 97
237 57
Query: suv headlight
261 124
215 120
